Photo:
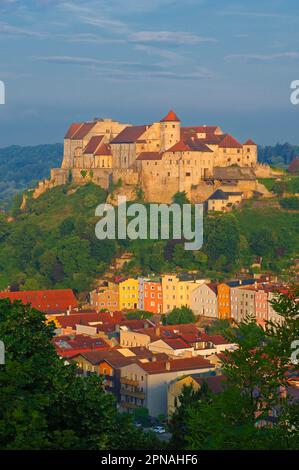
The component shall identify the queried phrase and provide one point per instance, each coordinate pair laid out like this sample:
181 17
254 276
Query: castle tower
249 153
170 130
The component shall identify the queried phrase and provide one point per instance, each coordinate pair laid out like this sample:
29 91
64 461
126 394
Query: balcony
127 381
132 393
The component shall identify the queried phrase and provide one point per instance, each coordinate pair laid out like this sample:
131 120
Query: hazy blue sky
213 61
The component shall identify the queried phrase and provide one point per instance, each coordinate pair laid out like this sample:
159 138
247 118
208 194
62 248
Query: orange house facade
150 296
105 297
224 307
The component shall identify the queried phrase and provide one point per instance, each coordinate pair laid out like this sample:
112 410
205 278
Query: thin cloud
169 37
171 56
263 57
90 38
11 30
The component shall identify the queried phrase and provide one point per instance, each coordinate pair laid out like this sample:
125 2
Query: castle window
156 163
188 174
248 150
173 126
168 173
238 151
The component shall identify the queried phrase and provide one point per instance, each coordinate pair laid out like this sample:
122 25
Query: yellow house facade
128 294
176 292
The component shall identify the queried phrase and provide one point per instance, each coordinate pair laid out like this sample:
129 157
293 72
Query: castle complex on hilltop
161 158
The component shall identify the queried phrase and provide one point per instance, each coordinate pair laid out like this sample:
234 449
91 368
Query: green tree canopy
44 404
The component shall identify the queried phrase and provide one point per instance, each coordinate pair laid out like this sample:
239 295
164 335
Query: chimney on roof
158 330
68 311
167 365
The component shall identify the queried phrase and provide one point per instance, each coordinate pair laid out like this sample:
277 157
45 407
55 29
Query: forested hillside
279 155
52 243
22 167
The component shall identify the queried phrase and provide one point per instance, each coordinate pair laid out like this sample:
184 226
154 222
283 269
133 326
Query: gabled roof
172 365
220 195
72 129
83 130
93 144
72 345
230 142
129 135
149 156
249 142
170 117
175 343
190 145
46 301
103 149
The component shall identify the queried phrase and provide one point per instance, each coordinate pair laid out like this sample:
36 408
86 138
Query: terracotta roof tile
93 144
129 135
83 130
72 129
70 346
230 142
170 117
46 301
190 145
104 149
249 142
172 365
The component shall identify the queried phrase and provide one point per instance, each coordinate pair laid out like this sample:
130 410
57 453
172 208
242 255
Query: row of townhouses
227 300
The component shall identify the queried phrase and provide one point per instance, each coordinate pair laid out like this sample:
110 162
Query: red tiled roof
70 346
129 135
190 363
170 117
72 129
249 142
47 301
189 145
149 156
70 321
116 359
212 139
217 340
112 317
93 144
229 142
104 149
187 332
176 343
83 130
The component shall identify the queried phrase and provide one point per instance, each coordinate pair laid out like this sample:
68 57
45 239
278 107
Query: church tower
170 130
